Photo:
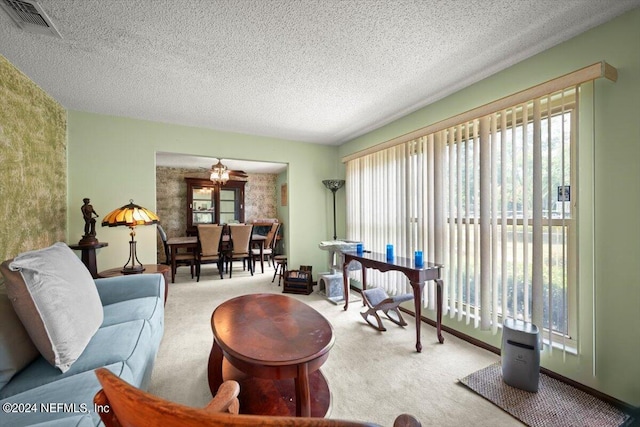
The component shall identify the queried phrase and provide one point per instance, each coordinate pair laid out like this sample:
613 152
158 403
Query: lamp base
132 270
131 267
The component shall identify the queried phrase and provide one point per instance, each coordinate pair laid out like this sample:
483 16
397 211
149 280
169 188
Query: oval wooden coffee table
273 338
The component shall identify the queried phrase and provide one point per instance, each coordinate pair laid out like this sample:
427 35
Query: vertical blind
493 199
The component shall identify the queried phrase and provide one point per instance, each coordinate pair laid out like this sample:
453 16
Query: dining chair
209 237
268 248
182 259
240 236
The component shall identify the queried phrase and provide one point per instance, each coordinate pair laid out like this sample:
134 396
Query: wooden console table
273 338
417 277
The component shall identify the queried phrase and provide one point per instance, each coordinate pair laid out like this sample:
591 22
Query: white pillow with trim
56 299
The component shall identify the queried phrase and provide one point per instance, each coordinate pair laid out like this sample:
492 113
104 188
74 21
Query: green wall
33 165
612 337
112 160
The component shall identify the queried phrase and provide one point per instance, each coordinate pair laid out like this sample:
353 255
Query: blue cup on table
389 251
359 248
417 256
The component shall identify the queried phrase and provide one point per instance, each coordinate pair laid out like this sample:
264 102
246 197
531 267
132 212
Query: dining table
191 243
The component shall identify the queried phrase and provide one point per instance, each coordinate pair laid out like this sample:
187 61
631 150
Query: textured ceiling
320 71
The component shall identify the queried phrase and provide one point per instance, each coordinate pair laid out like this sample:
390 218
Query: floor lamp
334 185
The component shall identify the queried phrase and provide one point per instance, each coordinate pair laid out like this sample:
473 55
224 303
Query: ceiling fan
220 174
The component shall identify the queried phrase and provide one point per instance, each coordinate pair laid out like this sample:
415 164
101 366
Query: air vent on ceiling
30 16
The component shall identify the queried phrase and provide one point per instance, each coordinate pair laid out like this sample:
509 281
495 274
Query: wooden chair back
209 240
119 404
209 237
269 243
163 237
241 238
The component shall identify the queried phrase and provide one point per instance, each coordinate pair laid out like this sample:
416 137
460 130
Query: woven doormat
555 403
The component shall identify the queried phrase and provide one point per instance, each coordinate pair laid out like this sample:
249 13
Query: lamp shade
333 184
130 215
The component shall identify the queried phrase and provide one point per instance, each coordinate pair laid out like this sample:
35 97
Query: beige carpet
555 403
373 376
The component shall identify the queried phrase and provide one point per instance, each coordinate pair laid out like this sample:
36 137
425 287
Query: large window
529 159
493 199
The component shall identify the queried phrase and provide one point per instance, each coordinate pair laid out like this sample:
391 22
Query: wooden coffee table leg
215 368
303 396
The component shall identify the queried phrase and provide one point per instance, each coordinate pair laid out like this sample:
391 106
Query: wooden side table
165 270
280 343
89 255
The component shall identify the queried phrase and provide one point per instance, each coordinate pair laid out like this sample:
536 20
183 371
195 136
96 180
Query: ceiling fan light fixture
219 173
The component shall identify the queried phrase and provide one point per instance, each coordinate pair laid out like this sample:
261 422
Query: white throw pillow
57 301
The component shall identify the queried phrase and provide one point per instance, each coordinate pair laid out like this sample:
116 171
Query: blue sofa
126 343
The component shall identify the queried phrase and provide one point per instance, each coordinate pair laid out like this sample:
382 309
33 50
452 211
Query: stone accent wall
171 199
260 196
33 165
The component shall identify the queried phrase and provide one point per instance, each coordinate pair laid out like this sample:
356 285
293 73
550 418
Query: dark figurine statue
88 214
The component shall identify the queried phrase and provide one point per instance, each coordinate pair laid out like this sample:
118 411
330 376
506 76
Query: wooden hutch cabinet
208 203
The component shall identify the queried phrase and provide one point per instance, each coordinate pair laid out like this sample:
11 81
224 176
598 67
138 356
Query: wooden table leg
89 259
174 250
417 302
364 283
303 396
262 257
439 285
345 284
215 368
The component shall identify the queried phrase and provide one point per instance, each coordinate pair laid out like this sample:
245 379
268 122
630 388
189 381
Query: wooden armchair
121 405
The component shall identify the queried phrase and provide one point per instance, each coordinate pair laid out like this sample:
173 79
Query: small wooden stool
377 299
281 266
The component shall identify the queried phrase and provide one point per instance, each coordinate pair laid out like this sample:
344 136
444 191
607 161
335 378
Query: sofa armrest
122 288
